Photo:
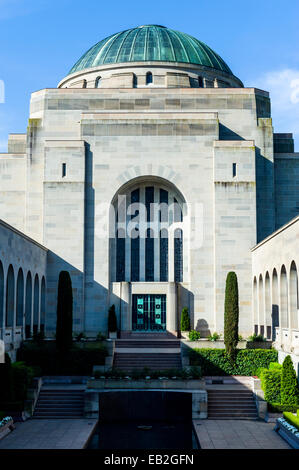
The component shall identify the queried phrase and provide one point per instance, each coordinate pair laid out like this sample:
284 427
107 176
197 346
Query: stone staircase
155 354
230 398
57 403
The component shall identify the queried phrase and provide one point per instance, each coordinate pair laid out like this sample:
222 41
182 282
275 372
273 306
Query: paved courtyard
49 434
235 434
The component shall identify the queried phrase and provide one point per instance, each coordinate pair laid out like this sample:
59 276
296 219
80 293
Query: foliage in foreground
231 315
217 361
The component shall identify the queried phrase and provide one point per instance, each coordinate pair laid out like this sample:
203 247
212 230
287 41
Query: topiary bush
64 326
217 361
231 315
194 335
185 320
112 322
289 385
271 383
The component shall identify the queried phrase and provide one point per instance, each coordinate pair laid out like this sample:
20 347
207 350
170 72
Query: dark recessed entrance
149 312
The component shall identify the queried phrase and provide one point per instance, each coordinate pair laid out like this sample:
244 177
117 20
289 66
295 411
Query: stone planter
205 343
6 429
113 334
288 432
184 335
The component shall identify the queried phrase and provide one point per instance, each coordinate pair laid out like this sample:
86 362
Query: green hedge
216 361
294 420
271 383
77 361
279 408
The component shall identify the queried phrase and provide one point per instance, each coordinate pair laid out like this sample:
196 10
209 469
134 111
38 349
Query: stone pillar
171 313
125 307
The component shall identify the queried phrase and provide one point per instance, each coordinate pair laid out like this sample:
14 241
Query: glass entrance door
149 312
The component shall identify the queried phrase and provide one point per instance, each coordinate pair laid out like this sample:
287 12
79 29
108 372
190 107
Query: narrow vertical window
63 170
149 78
178 255
135 243
234 170
164 237
200 82
134 81
98 82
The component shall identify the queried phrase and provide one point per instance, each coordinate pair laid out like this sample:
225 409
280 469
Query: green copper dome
150 43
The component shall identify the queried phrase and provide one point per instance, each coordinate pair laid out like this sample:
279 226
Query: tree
289 386
112 322
231 315
64 326
185 320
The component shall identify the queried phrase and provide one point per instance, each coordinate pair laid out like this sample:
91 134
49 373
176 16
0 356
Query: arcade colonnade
22 286
275 287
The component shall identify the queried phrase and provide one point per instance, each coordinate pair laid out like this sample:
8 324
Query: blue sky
42 39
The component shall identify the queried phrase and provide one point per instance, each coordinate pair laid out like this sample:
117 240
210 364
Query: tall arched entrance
148 255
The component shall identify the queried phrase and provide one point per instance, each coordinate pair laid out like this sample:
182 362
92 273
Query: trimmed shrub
271 383
217 361
185 320
289 385
279 408
6 381
64 326
231 315
292 419
22 379
275 366
194 335
112 322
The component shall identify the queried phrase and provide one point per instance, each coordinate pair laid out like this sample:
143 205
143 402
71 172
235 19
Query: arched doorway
43 306
255 306
10 297
275 304
28 306
284 298
147 232
20 298
268 311
36 305
261 306
294 296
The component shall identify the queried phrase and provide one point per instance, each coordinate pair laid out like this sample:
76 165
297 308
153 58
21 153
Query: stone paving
50 434
238 434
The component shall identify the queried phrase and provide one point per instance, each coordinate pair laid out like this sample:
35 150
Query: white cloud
283 86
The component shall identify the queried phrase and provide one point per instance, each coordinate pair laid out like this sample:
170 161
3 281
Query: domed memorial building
148 174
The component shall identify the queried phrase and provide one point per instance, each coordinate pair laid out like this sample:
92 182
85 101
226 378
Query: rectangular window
63 170
234 170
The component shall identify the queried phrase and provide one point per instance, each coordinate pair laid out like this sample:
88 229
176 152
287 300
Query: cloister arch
36 304
20 298
268 312
255 304
10 297
28 306
43 305
284 298
150 252
261 307
293 302
275 304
